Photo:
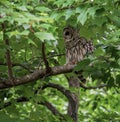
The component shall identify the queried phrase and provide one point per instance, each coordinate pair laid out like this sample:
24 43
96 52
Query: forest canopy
34 79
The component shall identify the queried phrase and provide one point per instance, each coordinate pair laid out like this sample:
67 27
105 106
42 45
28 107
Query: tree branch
48 69
37 74
60 88
18 64
92 87
55 55
20 99
8 60
51 108
26 67
72 98
44 103
80 84
8 57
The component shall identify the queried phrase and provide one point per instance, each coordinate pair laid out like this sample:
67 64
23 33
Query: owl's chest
75 54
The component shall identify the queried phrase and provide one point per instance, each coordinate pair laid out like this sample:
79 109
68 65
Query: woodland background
31 41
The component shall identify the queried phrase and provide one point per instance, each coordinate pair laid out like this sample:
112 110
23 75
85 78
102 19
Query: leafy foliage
28 23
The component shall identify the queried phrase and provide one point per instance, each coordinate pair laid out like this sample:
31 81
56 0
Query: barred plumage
76 47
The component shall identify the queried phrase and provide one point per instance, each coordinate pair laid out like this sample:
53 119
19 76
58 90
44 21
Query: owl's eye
67 33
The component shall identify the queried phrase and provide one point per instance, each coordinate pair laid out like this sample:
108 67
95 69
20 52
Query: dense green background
30 22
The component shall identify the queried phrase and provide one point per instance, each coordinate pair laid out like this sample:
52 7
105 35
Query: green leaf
78 10
82 64
118 80
68 13
56 16
114 64
83 16
59 2
4 117
111 82
44 36
13 33
43 9
46 26
25 32
99 52
92 10
67 3
22 8
32 42
1 36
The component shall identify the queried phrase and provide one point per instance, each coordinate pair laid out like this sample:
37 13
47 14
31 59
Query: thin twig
20 99
87 87
45 58
56 55
92 87
18 64
8 57
44 103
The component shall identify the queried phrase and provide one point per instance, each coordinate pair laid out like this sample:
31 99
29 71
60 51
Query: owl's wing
87 45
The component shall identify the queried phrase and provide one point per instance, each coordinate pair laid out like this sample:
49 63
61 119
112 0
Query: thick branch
37 74
66 92
51 108
72 98
73 105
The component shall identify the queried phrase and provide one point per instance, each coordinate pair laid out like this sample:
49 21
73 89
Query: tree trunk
74 102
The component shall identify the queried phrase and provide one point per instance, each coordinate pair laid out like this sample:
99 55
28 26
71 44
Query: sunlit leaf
92 11
44 36
43 9
25 33
22 8
68 13
27 23
82 17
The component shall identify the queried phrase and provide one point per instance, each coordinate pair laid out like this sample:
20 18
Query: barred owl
76 47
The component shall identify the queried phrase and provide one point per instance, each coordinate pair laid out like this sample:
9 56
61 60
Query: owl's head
69 33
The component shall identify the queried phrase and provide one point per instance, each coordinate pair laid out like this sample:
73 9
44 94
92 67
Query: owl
76 48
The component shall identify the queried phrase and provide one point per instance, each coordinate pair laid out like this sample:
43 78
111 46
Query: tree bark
74 103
